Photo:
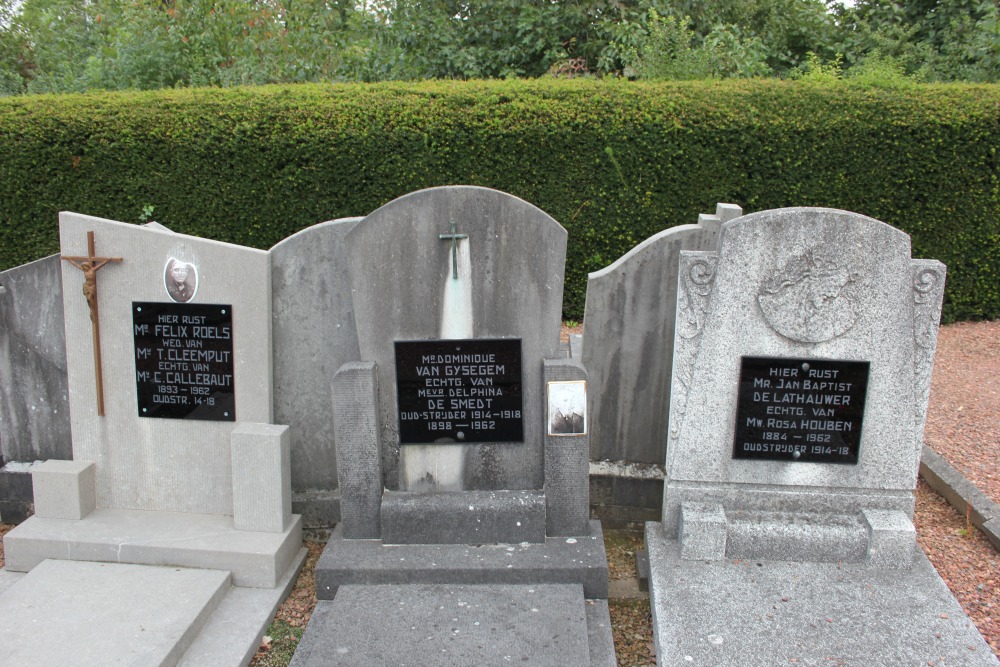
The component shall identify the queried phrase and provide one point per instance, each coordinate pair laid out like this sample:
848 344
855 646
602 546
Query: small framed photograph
567 407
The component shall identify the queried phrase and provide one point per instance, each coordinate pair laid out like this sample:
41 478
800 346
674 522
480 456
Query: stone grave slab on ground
434 624
462 450
802 363
813 613
176 461
50 616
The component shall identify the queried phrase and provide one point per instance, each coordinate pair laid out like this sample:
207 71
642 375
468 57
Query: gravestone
628 353
176 460
629 340
34 399
462 445
802 362
314 334
34 395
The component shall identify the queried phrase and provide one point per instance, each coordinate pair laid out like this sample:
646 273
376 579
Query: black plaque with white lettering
459 391
804 410
184 360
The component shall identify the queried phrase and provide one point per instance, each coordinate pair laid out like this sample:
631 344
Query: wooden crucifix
90 265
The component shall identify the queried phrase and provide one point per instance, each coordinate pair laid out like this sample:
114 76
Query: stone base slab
762 613
443 624
765 499
880 538
233 633
463 517
796 537
558 560
208 541
78 612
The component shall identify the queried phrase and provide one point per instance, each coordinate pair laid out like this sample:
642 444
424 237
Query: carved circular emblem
812 297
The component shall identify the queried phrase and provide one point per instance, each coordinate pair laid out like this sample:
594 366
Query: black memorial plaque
459 391
804 410
184 360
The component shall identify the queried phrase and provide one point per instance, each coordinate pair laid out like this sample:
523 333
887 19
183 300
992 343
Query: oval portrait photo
181 280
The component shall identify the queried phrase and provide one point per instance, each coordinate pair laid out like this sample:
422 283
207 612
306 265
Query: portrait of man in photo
181 280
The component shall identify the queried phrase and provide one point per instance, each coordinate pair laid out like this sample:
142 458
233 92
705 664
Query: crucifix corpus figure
90 265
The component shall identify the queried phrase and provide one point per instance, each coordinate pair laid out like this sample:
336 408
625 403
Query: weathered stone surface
464 517
799 283
703 531
314 335
567 485
34 397
759 612
629 340
64 489
891 537
424 624
559 560
65 613
262 498
359 450
256 559
16 498
517 255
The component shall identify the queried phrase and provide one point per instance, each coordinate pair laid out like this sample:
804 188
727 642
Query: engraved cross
454 237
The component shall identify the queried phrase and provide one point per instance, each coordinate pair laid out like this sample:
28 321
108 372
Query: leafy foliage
613 161
80 45
958 40
668 48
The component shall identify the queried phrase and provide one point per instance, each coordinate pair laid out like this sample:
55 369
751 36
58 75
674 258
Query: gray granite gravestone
314 335
175 459
809 286
629 340
628 354
34 398
461 438
802 361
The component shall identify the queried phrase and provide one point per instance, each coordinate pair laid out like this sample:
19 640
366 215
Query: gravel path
963 426
963 421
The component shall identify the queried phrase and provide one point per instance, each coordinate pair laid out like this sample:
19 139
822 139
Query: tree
933 40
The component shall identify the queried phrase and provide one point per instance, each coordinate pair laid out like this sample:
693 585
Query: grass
278 652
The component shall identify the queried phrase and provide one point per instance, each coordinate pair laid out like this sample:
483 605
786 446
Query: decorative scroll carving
928 291
696 279
812 297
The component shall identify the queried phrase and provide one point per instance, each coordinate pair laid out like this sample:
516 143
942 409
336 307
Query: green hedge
613 161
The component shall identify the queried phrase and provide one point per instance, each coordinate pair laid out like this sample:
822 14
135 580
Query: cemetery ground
963 425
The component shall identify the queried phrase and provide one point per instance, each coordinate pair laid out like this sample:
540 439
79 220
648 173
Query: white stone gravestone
802 364
176 460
